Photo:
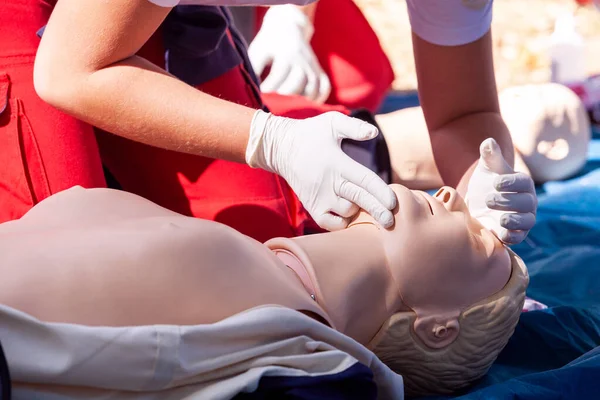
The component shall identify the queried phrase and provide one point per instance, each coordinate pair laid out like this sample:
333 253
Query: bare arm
86 66
457 90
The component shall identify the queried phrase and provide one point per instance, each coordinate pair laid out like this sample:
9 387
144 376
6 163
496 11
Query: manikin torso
103 257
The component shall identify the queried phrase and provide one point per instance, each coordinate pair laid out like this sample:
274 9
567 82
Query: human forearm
87 66
137 100
410 149
456 145
458 94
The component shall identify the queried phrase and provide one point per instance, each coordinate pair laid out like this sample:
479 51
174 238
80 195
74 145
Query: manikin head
464 288
458 291
549 126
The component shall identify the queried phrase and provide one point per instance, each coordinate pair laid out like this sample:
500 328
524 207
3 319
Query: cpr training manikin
548 124
105 294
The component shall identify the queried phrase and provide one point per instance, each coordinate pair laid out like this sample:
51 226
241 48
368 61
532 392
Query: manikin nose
449 198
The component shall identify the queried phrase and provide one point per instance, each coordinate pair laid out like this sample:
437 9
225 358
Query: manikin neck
347 272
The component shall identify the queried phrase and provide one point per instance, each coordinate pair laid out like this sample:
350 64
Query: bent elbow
54 85
48 86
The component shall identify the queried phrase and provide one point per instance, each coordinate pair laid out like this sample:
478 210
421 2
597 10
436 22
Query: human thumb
352 128
492 158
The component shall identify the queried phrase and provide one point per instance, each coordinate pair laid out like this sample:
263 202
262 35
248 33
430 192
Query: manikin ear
437 332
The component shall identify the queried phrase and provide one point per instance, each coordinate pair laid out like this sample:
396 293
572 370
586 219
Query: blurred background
521 31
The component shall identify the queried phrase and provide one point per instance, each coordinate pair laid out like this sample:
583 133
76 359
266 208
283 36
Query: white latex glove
502 200
284 43
307 154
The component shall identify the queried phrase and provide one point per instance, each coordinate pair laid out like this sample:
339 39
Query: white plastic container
567 52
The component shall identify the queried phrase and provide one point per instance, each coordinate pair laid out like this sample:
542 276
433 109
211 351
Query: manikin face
441 258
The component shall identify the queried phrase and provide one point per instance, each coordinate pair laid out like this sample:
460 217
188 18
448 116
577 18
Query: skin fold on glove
307 154
283 43
504 201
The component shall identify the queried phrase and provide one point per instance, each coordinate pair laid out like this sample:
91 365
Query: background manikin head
549 126
465 289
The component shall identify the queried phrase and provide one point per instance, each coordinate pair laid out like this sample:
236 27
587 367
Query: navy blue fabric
5 388
373 153
355 383
399 100
196 43
198 50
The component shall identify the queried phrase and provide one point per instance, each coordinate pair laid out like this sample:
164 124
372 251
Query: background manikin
548 124
131 262
550 128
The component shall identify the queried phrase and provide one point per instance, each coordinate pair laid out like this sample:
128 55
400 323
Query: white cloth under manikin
57 361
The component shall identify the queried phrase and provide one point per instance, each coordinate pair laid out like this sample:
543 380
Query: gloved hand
502 200
307 154
284 43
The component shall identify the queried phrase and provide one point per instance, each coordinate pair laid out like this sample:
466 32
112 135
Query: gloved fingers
517 202
311 89
517 221
294 83
492 158
318 86
366 180
517 182
324 88
367 202
512 237
258 59
331 222
344 208
278 74
351 128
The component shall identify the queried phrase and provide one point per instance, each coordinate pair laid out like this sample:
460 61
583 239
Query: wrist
255 149
267 142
